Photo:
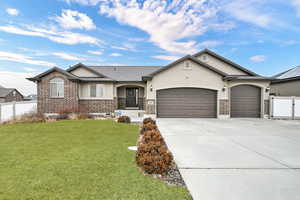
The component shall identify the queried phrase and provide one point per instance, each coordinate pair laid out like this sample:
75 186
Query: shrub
149 120
152 154
72 112
124 119
31 117
148 127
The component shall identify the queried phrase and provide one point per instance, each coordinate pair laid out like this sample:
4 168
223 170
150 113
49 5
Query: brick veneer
150 108
267 107
99 106
224 106
46 104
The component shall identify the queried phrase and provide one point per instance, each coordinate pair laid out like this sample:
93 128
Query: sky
35 35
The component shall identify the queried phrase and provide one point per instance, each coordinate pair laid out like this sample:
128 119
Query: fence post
14 110
293 108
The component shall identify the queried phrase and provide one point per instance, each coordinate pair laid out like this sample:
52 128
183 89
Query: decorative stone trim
266 107
150 106
224 106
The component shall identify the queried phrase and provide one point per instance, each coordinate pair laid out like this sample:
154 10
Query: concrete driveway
234 159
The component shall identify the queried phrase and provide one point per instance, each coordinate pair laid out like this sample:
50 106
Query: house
10 94
287 83
204 85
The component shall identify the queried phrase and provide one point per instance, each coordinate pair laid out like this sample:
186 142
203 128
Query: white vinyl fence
12 110
285 107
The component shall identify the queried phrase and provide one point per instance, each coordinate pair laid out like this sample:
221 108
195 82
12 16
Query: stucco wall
219 64
176 76
108 92
291 88
82 72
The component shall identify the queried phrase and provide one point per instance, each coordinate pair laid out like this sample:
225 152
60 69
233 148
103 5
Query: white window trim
50 86
89 92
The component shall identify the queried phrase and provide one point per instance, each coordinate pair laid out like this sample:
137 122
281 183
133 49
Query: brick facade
224 106
150 106
99 106
47 104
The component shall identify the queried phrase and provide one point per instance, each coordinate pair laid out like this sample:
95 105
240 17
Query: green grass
75 160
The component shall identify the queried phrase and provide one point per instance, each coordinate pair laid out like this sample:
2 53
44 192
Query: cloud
95 52
296 4
65 56
164 57
167 23
250 11
210 43
63 37
85 2
12 11
71 19
13 57
29 69
115 54
18 80
258 58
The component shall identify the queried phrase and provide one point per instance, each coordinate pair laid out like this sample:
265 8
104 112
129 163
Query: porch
131 97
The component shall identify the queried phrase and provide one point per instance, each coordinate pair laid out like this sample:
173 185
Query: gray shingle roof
289 74
125 73
5 91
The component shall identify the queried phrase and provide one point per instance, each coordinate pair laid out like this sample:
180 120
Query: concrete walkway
236 159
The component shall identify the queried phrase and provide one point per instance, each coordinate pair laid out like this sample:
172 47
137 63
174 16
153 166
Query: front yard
75 160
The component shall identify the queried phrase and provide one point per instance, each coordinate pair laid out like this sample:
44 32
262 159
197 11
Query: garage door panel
186 102
245 101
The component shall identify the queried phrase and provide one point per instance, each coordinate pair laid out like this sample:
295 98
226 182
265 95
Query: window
57 87
14 93
92 91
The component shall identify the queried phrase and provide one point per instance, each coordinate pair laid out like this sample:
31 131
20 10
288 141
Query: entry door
131 97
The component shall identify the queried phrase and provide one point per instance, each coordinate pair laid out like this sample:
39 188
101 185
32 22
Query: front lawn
75 160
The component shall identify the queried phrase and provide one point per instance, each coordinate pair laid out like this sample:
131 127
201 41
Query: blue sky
36 35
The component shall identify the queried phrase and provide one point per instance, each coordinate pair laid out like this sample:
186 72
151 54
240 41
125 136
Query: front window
57 87
92 91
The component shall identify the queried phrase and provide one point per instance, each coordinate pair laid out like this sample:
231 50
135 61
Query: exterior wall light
151 88
267 89
224 88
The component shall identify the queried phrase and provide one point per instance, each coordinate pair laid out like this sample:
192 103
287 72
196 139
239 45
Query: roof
188 57
126 73
294 72
87 68
69 75
207 51
5 91
286 76
243 77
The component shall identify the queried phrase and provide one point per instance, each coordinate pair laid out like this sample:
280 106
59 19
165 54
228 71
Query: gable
180 76
220 65
83 72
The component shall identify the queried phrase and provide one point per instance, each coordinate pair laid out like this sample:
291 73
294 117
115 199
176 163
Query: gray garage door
187 102
245 101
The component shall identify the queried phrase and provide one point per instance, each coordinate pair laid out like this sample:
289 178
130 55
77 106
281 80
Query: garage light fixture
151 88
224 88
267 89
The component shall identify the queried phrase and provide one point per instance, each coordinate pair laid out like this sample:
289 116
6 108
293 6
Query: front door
131 97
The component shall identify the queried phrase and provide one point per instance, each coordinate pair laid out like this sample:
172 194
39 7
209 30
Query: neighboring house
205 85
10 94
287 83
31 97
